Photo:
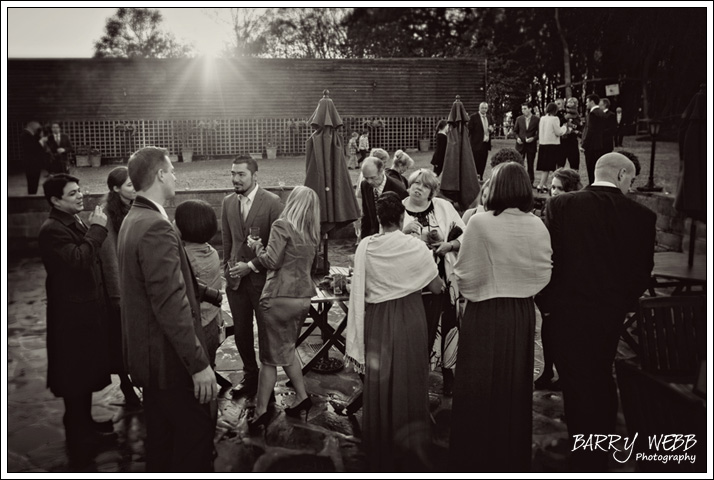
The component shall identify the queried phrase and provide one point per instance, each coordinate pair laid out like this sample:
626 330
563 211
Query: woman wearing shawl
437 223
505 259
387 341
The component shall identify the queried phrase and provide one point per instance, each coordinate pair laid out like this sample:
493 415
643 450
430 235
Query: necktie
244 207
376 195
57 139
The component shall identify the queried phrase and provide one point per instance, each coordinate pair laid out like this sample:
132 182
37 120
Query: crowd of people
433 287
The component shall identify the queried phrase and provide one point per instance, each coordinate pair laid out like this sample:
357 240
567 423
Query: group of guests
552 138
44 148
584 262
418 262
132 293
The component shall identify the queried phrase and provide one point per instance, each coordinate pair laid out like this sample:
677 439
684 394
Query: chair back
672 334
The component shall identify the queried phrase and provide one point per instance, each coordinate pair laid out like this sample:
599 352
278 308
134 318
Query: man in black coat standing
34 156
77 339
593 142
480 130
375 183
603 254
608 135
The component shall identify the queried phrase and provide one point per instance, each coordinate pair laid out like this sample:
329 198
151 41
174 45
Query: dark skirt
491 420
549 158
279 328
396 431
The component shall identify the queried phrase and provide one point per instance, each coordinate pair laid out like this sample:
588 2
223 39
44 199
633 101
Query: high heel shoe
296 411
256 422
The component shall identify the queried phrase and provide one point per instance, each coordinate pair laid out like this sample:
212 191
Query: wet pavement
327 442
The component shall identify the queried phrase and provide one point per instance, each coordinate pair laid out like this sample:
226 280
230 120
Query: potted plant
95 157
82 156
185 133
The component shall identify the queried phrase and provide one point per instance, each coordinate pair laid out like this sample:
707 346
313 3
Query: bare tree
137 33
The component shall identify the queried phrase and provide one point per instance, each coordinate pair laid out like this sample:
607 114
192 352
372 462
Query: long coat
164 343
76 305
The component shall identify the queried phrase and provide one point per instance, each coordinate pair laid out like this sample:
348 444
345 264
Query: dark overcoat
76 305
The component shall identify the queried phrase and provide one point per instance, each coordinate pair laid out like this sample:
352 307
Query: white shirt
246 201
380 188
484 120
594 108
602 183
160 207
619 118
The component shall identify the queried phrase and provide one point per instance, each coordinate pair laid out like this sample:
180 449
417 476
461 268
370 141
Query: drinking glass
255 233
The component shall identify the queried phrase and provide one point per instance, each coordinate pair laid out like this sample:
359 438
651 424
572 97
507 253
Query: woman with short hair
505 259
386 339
550 154
436 222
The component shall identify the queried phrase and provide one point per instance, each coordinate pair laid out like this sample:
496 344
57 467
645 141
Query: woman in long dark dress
504 260
117 204
387 341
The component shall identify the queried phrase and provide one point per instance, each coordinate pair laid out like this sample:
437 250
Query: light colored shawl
387 266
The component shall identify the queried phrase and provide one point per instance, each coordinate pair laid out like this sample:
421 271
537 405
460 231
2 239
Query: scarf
399 265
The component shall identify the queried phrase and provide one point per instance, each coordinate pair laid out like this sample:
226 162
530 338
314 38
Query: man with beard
250 206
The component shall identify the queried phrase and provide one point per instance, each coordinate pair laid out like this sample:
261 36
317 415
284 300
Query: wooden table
671 269
319 308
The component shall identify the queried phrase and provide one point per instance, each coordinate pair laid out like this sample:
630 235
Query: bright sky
71 32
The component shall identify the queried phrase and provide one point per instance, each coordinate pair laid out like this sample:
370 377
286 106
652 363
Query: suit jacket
595 125
370 223
603 251
266 208
77 341
476 132
520 130
34 155
608 134
160 315
64 143
288 258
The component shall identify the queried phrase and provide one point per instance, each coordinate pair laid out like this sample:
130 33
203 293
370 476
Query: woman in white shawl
387 341
432 219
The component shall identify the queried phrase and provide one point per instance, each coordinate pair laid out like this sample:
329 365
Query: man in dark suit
164 346
60 147
250 206
620 130
593 142
603 251
480 130
608 135
34 156
375 183
77 339
526 131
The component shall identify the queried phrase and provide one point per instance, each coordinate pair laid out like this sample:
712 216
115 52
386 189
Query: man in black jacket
34 156
374 184
603 254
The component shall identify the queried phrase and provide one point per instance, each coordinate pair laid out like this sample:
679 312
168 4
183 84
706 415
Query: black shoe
256 422
296 410
246 388
223 382
103 427
544 383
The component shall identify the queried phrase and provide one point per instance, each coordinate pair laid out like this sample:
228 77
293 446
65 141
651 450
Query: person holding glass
434 220
286 297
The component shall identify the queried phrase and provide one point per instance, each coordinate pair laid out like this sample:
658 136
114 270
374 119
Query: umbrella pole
692 234
324 250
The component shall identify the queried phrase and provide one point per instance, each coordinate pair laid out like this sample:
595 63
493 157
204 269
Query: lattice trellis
118 139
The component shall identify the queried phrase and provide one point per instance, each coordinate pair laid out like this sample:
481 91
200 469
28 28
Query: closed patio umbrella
327 170
692 186
459 180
